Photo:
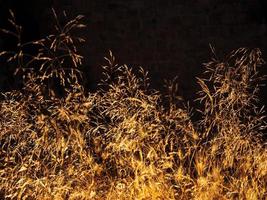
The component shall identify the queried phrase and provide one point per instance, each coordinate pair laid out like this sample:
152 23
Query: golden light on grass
127 141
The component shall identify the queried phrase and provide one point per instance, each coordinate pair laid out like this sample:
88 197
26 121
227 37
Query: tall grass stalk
126 140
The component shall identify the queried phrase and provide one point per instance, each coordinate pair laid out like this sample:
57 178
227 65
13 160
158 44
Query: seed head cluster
126 140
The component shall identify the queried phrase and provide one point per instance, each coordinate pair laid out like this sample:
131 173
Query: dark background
169 38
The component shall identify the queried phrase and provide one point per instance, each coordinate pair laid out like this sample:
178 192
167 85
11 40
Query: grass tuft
126 140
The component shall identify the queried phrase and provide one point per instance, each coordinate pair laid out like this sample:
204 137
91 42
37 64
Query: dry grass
127 141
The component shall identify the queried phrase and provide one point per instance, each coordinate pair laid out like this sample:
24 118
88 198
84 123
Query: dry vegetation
127 141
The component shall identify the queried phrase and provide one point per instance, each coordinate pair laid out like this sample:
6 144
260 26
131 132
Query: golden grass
127 141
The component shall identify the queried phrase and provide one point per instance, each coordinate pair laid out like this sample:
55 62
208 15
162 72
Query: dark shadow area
28 16
167 38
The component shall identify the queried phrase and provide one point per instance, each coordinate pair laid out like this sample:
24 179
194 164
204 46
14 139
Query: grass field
126 140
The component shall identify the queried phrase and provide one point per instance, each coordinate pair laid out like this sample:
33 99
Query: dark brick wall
168 38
